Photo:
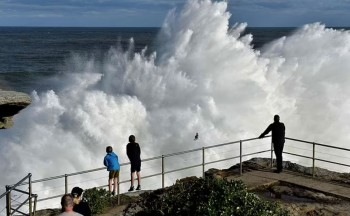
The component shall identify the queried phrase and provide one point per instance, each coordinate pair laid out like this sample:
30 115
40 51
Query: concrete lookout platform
265 177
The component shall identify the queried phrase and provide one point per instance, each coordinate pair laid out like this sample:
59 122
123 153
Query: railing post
8 201
313 159
271 154
65 183
35 200
203 162
30 195
118 191
162 171
240 158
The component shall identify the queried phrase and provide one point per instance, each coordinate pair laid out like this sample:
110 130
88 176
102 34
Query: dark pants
278 147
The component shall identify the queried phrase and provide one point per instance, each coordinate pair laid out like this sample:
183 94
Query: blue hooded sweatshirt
111 162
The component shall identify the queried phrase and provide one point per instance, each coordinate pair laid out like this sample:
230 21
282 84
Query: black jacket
82 208
134 152
278 132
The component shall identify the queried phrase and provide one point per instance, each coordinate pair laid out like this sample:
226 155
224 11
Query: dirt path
114 211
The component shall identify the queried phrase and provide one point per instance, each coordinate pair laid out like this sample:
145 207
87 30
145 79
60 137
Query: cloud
316 5
134 12
291 12
100 12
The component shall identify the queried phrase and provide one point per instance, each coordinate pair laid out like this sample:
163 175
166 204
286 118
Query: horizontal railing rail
9 209
313 157
202 164
163 173
10 188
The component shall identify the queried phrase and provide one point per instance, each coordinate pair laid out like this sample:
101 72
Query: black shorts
135 166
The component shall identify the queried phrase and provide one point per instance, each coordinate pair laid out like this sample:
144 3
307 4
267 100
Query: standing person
112 164
278 138
67 206
80 205
133 151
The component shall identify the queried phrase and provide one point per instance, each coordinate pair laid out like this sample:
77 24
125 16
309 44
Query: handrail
9 189
65 176
319 144
15 185
203 164
144 160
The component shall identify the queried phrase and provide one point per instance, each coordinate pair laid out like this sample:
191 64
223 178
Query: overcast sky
151 13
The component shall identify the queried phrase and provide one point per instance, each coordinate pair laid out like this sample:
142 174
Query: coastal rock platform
325 193
11 103
295 189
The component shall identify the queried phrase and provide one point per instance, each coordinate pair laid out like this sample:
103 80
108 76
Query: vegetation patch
100 200
198 196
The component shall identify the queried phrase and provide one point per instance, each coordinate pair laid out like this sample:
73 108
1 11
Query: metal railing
313 157
9 209
203 164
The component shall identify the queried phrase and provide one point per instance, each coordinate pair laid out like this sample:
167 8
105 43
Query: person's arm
138 149
268 129
128 151
105 162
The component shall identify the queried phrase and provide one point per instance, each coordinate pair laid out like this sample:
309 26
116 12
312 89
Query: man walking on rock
278 138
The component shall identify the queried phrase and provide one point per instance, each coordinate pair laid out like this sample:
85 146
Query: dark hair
132 138
76 192
67 201
109 149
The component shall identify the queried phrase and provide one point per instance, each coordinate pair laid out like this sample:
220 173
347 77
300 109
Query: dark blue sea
30 55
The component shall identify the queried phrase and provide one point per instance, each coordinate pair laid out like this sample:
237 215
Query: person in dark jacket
133 151
278 138
112 164
80 205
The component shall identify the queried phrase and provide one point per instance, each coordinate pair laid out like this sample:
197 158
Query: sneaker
131 188
138 187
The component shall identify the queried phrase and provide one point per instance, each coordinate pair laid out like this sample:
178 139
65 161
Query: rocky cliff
11 103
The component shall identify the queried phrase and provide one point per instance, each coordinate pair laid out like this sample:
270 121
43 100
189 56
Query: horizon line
15 26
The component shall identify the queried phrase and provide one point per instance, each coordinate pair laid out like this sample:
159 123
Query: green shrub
207 196
98 199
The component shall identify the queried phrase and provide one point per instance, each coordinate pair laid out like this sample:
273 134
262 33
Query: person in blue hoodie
112 164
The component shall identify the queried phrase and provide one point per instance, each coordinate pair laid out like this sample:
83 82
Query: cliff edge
11 103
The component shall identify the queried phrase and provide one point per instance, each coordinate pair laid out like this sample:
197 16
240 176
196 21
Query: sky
151 13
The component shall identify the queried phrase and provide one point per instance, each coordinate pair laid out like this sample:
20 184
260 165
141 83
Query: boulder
11 103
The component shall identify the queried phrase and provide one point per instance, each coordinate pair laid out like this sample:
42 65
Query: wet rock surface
11 103
265 163
298 200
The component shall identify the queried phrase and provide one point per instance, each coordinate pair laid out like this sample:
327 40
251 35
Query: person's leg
110 181
138 181
281 156
116 182
132 171
138 178
278 152
132 179
115 186
138 169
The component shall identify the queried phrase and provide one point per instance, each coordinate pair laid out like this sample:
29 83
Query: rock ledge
11 103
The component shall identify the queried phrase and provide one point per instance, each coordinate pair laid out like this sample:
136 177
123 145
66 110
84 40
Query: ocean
93 87
31 55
